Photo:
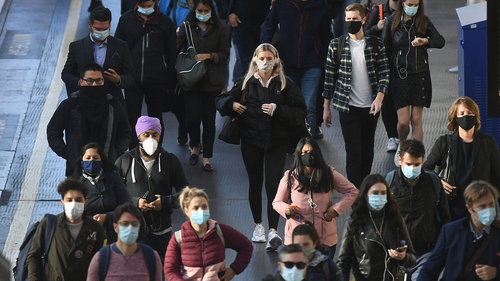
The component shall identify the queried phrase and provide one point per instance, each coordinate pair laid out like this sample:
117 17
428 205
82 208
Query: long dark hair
391 209
307 228
419 18
322 178
107 166
191 16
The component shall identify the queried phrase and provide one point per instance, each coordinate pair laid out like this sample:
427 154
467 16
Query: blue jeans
338 23
308 82
247 39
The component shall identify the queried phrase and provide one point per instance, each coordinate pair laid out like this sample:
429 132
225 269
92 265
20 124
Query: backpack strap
221 235
374 41
436 181
381 11
125 166
178 238
389 178
104 256
342 40
326 269
150 259
49 233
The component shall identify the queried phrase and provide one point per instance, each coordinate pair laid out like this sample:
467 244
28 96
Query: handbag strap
468 267
189 35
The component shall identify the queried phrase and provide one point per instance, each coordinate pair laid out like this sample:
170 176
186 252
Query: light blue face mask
292 274
200 217
411 172
203 18
411 11
146 11
486 216
128 234
377 202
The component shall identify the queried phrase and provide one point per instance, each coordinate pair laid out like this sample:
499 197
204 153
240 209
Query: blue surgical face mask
200 217
128 234
203 18
377 202
146 11
292 274
411 11
411 172
92 167
486 216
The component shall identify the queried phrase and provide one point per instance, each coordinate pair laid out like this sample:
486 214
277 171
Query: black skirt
414 90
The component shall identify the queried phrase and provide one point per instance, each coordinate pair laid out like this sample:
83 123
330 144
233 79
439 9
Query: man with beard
150 172
88 115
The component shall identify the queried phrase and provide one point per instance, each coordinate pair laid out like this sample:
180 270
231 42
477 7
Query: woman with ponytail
197 250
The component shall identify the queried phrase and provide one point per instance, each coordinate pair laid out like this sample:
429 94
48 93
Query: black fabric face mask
353 26
466 122
307 159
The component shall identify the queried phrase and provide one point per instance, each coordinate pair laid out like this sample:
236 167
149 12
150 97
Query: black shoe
94 4
319 133
182 140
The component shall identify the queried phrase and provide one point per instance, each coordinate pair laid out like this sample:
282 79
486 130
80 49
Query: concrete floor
31 43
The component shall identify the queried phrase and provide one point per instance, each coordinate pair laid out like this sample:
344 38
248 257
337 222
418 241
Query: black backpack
21 269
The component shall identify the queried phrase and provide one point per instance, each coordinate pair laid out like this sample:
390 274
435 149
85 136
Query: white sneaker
259 234
392 144
273 241
396 158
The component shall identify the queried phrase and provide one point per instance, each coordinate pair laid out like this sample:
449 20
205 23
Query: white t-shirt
361 90
148 165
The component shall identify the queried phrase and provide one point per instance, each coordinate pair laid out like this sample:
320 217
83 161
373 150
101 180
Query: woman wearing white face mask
376 241
269 105
211 42
150 174
407 35
196 251
107 190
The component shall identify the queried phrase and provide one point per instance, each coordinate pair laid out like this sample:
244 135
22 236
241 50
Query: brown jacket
215 42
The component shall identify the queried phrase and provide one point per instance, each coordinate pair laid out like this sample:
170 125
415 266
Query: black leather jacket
400 51
365 252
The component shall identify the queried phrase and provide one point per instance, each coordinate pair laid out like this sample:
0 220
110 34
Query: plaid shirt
338 79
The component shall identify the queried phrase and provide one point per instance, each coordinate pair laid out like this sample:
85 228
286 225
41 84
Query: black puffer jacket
258 128
108 193
417 206
366 253
167 172
67 122
398 44
152 46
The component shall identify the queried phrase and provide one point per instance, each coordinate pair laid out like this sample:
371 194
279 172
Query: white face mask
146 11
150 146
292 274
73 210
100 35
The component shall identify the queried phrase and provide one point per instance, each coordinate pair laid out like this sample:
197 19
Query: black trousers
200 108
358 129
159 243
259 161
390 117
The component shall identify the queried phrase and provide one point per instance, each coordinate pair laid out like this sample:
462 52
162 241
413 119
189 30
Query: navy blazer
449 253
118 58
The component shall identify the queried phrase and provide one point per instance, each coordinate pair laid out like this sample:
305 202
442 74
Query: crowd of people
122 185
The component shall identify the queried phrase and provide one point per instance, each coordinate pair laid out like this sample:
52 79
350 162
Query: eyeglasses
299 265
91 81
127 223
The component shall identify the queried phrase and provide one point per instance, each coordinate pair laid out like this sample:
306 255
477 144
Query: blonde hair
188 194
357 7
478 189
452 113
278 67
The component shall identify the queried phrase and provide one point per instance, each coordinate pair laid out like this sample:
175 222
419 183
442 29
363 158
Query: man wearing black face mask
88 115
110 53
356 79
